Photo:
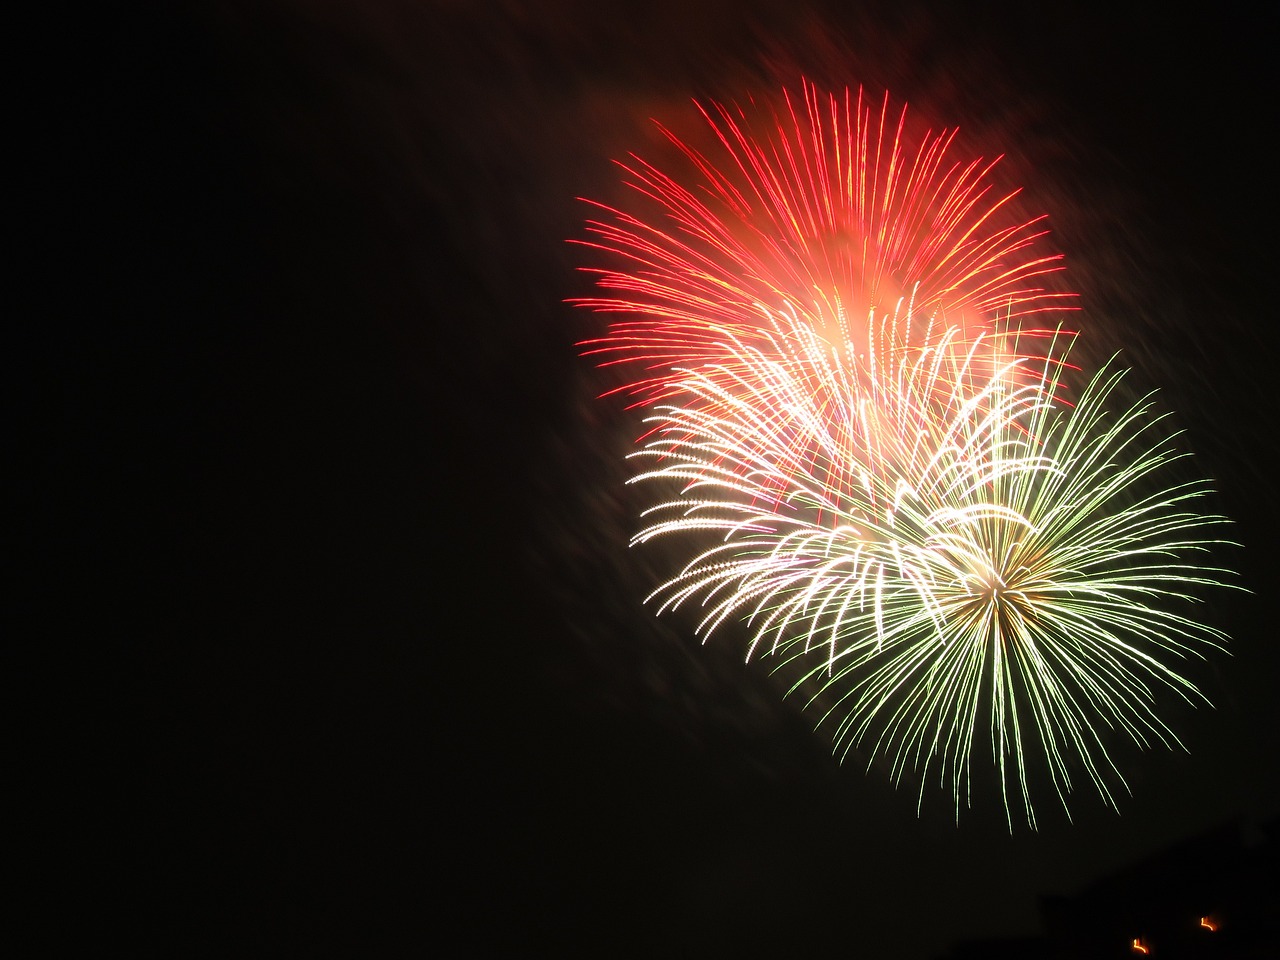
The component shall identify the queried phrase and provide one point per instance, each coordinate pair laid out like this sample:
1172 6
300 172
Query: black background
322 526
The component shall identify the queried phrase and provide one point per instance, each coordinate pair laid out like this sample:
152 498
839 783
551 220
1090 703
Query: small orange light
1208 924
1138 947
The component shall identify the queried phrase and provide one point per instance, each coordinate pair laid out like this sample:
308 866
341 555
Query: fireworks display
858 390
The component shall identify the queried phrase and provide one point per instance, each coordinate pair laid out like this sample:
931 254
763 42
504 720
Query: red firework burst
832 212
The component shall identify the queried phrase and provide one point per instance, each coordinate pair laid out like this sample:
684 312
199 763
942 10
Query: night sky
325 522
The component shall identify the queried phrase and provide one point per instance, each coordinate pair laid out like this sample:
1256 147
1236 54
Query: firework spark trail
908 513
